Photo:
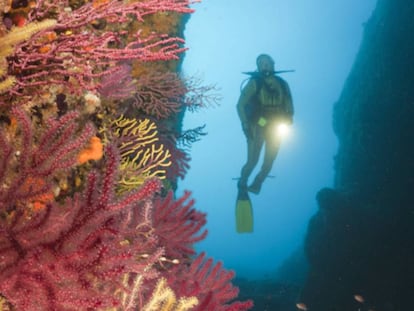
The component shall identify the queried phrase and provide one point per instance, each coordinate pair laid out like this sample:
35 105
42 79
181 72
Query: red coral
177 225
77 56
28 166
160 95
117 84
180 159
210 283
72 256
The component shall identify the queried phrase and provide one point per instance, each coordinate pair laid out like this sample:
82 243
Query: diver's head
265 64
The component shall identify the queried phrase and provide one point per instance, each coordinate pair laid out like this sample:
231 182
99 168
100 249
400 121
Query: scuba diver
265 104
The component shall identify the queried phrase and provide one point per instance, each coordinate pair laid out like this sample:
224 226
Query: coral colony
90 100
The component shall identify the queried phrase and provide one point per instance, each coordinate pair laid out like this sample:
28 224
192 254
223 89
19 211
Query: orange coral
45 48
38 201
13 125
41 200
97 3
94 151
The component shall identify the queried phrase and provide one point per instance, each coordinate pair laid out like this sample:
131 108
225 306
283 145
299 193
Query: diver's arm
245 97
288 102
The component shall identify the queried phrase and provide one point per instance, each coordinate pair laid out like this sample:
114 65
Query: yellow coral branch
147 163
144 133
163 299
142 156
7 84
19 34
152 158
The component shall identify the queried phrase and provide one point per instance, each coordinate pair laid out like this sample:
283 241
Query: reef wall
360 242
91 100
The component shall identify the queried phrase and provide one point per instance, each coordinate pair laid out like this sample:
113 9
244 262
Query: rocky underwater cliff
360 242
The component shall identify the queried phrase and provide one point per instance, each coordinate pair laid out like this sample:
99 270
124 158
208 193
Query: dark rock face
361 241
373 117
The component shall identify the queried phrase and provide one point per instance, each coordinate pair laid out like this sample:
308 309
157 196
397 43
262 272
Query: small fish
301 306
359 298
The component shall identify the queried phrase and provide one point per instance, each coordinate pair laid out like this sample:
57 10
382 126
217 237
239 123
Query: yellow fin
244 216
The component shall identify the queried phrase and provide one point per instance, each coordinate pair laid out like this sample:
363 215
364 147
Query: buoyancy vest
269 100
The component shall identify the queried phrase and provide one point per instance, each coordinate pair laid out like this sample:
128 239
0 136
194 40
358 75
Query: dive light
282 129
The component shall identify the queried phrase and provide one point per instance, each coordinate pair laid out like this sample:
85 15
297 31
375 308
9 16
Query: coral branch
142 156
73 55
164 299
159 95
210 283
117 84
74 255
177 224
29 166
8 43
113 11
180 159
200 96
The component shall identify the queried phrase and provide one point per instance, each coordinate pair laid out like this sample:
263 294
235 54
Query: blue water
319 39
